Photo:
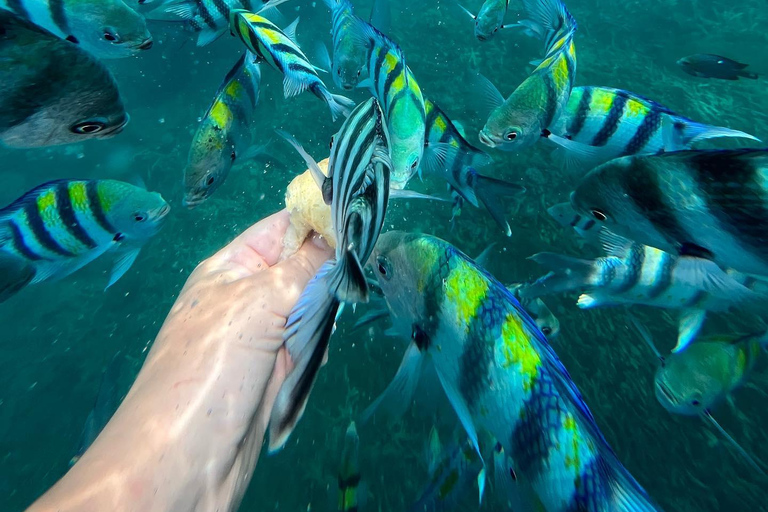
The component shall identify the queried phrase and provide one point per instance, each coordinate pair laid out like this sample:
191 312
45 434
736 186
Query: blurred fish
107 402
474 332
392 83
545 320
693 382
459 169
706 65
567 217
638 274
453 473
350 496
357 188
224 135
600 124
490 18
349 59
280 50
51 91
61 226
707 203
106 28
537 103
210 18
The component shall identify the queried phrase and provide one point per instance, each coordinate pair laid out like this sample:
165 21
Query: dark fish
707 65
712 204
51 91
357 188
349 472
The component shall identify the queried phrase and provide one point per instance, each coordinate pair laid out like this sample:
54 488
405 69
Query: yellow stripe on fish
466 289
517 349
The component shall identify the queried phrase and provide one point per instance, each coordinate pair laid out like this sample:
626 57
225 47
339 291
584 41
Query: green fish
105 28
350 488
490 18
536 104
51 91
61 226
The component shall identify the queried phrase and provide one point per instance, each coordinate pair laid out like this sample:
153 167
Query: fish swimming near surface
210 18
706 203
105 28
349 472
633 273
489 19
459 169
694 382
707 65
537 103
51 91
225 134
474 333
279 49
357 188
599 124
61 226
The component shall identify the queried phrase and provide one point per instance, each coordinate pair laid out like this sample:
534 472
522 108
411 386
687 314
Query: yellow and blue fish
500 375
279 49
61 226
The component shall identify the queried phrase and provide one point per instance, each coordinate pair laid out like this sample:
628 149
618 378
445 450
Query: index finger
260 244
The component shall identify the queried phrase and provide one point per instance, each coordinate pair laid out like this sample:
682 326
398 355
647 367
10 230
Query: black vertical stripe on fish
17 6
531 438
742 209
377 66
284 48
476 359
264 24
550 109
644 133
222 7
663 281
570 64
577 121
20 245
206 15
299 67
431 117
635 259
92 191
393 75
40 232
587 484
58 13
644 190
611 123
394 100
67 213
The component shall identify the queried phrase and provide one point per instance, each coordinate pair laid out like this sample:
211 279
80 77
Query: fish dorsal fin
492 97
290 31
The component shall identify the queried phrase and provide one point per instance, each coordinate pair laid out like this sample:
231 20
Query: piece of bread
304 201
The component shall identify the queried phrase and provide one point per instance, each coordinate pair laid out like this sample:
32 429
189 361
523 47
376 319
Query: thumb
294 273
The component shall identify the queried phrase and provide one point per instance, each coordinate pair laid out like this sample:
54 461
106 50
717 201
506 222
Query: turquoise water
58 337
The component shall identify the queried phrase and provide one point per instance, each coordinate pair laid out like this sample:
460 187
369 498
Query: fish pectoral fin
183 9
755 463
498 196
254 151
436 156
15 274
691 321
307 334
398 395
322 56
122 264
710 277
490 95
208 35
467 11
579 155
314 168
290 31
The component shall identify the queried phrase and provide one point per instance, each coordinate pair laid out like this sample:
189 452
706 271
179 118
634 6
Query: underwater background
56 338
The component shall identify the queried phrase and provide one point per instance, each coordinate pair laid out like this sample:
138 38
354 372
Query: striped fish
500 375
490 18
60 226
348 65
105 28
224 135
279 49
586 227
349 472
357 188
459 169
545 320
210 18
707 203
538 102
632 273
600 124
392 83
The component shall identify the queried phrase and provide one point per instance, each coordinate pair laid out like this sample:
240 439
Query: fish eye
110 34
210 180
118 237
358 72
382 266
495 30
415 165
88 127
140 216
546 331
510 135
695 403
338 71
233 156
597 214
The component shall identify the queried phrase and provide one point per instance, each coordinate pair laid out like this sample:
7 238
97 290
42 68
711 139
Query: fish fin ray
314 168
398 395
691 320
750 460
491 192
122 264
565 274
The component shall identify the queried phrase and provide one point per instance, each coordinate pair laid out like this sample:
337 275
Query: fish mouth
485 139
146 45
192 202
481 37
164 211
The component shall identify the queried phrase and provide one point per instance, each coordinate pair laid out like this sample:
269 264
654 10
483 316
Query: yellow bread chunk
304 201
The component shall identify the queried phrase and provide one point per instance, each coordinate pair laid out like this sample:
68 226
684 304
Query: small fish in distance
707 65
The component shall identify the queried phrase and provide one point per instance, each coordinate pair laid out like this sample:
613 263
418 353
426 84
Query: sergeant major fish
499 374
105 28
61 226
538 102
707 65
224 135
357 188
349 59
705 203
545 320
600 124
280 50
349 472
489 19
51 91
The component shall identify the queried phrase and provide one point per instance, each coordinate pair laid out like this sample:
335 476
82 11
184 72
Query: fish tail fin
549 20
349 284
307 334
692 132
492 193
15 274
338 104
565 274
